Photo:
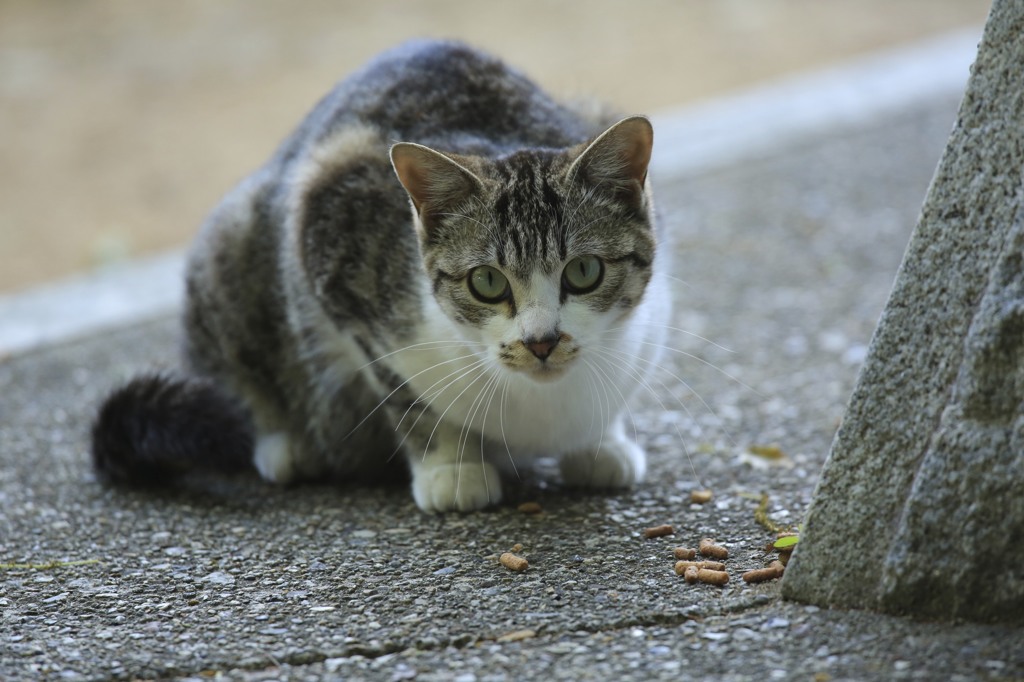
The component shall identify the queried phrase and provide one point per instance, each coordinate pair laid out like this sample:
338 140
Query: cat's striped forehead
538 217
528 208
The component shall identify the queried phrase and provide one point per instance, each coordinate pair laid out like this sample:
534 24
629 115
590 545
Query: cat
442 272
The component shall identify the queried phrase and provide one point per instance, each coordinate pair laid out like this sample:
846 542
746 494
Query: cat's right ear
436 183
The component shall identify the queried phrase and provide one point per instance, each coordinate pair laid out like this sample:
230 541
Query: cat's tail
158 426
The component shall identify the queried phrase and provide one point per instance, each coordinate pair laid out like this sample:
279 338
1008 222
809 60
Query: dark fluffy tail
158 426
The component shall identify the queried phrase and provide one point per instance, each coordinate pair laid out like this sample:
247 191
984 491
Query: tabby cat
442 266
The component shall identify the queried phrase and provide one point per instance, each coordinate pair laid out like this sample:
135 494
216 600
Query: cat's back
335 166
450 96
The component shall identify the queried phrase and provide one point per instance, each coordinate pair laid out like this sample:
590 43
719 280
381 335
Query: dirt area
123 122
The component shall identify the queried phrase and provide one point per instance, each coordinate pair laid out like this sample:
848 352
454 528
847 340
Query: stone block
920 506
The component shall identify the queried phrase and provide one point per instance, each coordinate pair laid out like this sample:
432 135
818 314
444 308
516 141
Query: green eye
488 284
583 274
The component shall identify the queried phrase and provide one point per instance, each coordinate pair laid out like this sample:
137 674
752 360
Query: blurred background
122 122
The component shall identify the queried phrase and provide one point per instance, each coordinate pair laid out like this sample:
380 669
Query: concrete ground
783 256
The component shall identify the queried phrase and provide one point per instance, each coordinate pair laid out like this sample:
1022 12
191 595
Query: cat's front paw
617 463
441 487
273 458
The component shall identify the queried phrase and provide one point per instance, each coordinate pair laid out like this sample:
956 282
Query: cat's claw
616 463
445 487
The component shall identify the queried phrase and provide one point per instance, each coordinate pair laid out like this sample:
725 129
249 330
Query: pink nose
542 347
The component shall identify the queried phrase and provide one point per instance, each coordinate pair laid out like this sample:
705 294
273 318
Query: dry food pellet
771 452
708 548
706 575
513 562
681 566
700 496
659 531
759 575
530 508
690 574
684 553
516 636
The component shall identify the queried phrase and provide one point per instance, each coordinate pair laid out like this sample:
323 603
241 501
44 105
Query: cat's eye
488 284
582 274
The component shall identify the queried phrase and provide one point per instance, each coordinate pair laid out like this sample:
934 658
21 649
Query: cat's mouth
539 359
546 372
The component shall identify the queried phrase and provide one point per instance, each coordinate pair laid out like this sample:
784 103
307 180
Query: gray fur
312 278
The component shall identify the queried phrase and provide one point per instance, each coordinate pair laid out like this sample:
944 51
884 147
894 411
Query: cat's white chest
464 386
527 416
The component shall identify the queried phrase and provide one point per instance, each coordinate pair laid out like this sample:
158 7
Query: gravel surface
784 261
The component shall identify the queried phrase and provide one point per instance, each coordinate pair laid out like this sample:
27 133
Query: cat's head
539 254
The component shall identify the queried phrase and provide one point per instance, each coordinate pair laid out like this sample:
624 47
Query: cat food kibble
681 566
700 496
513 562
530 508
694 572
708 548
684 553
706 575
659 531
771 572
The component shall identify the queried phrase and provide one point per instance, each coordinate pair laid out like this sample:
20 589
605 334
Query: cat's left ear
617 160
436 183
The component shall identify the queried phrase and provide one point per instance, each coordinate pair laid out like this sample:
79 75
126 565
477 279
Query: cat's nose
542 348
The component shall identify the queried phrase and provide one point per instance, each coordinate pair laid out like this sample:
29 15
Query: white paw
441 487
272 457
617 463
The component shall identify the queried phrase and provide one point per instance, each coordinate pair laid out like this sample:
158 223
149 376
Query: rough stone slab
920 508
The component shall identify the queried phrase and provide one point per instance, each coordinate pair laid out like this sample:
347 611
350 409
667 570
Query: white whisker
401 385
607 403
467 426
681 281
483 371
502 404
474 409
457 374
587 196
662 368
593 391
425 345
488 228
611 355
429 394
624 402
670 328
494 382
704 362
